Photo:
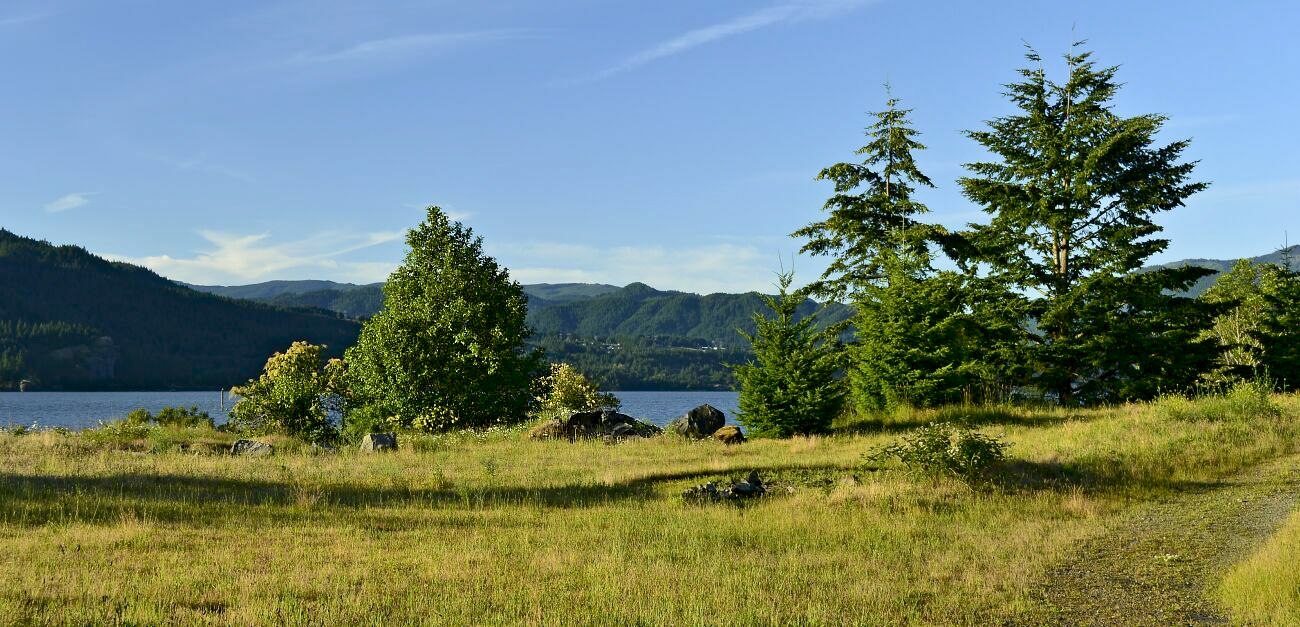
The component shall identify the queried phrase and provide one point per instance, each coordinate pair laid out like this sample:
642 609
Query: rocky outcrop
750 487
698 423
729 435
376 442
251 448
593 424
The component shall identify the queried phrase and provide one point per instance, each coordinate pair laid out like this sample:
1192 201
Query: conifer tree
1073 194
791 387
871 209
908 347
1279 333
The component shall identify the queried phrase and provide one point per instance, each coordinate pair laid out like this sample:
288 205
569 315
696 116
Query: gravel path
1159 564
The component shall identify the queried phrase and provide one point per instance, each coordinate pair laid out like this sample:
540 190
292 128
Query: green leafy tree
1073 196
791 387
294 395
565 389
1236 330
447 350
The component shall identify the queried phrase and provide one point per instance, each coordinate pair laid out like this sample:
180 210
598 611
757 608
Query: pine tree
791 387
1073 197
1278 335
907 349
871 209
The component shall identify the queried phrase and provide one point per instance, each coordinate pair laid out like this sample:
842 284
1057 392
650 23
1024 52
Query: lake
76 410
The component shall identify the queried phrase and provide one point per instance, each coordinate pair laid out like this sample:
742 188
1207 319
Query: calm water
75 410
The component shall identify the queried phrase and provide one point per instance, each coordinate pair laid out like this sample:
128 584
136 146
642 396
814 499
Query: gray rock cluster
593 424
376 442
251 448
749 488
698 423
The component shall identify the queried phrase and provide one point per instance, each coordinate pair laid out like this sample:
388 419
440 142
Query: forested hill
71 320
1221 266
641 311
577 309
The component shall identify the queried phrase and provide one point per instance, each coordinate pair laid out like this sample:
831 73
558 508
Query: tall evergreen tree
871 209
1073 195
1279 333
908 346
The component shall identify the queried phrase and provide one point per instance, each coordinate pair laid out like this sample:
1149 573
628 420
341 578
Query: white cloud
704 269
406 45
234 258
798 11
71 201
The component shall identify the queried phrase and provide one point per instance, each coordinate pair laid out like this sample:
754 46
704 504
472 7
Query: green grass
1264 589
495 528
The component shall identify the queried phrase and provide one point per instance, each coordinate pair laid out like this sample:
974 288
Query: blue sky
674 143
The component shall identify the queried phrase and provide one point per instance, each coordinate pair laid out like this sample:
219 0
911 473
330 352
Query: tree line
1045 300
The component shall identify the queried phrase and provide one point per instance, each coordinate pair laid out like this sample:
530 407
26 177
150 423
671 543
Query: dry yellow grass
500 529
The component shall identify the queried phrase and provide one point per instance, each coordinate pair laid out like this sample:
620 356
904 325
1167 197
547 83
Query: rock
698 423
251 448
594 424
729 434
751 487
748 488
379 442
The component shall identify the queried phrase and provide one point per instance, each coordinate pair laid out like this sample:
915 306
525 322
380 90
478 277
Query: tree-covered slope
583 309
71 320
1220 266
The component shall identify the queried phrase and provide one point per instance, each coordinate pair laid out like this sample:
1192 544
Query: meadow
155 526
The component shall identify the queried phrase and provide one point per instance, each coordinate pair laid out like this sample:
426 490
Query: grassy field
494 528
1265 588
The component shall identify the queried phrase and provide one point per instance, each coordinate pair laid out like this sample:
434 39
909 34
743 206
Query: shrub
173 417
945 449
565 389
293 396
1243 401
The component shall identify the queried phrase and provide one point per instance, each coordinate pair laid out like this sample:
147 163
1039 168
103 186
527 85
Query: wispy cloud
705 269
406 45
236 258
798 11
71 201
200 163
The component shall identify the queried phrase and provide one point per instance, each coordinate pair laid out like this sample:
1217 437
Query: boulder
593 424
729 434
748 488
251 448
373 442
698 423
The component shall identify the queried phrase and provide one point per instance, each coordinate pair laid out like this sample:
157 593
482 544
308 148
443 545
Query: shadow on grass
34 500
1020 475
28 500
972 416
